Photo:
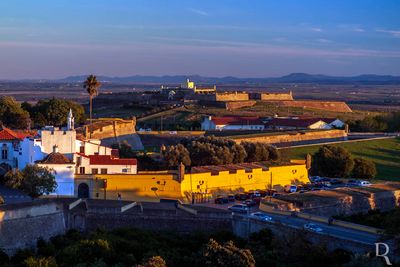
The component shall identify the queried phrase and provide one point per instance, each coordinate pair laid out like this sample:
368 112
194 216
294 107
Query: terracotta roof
7 134
55 158
109 160
236 120
302 123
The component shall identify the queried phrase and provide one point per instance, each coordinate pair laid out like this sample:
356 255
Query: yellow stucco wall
153 186
244 181
140 187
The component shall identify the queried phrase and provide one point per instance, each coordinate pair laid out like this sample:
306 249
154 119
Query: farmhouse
231 123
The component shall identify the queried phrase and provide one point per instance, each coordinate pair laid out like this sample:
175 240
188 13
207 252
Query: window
103 171
82 150
126 170
82 170
4 152
95 171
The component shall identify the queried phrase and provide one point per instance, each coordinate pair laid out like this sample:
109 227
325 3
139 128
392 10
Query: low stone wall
353 204
24 232
243 227
239 104
292 138
231 96
334 106
157 222
276 96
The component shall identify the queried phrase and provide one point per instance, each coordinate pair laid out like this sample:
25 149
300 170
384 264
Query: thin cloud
358 30
351 27
316 29
199 12
394 33
324 41
210 47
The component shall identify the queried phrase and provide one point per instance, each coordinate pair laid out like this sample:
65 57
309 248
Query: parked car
290 188
313 227
315 179
221 200
270 192
231 198
336 182
261 216
241 196
239 208
364 183
250 202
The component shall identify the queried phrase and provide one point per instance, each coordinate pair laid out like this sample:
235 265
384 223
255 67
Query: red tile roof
301 123
7 134
109 160
235 120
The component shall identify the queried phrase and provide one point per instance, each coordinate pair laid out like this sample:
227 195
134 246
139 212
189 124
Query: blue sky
245 38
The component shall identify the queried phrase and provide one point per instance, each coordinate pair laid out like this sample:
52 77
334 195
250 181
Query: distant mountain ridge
291 78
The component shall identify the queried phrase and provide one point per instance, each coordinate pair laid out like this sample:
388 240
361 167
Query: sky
243 38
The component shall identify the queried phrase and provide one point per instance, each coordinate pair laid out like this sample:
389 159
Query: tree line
45 112
210 150
141 248
389 122
336 161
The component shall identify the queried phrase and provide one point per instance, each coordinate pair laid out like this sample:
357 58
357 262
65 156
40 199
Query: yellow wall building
201 183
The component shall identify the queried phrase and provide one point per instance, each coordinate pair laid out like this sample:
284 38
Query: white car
364 183
313 227
239 208
261 216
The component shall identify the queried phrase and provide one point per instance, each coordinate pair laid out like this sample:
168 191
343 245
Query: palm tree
91 85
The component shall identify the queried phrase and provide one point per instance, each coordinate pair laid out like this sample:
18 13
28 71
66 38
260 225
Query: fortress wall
111 128
231 96
23 226
275 96
295 137
239 104
334 106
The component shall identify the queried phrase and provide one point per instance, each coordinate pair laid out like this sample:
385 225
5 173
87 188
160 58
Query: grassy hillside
385 153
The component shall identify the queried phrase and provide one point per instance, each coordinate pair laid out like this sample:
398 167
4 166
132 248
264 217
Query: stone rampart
231 96
290 138
239 104
276 96
108 128
334 106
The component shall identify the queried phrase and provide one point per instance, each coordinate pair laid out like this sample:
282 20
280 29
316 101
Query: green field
384 152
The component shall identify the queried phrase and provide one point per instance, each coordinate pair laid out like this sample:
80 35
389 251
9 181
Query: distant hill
366 79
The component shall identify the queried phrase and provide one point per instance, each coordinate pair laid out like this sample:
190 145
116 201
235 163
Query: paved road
332 230
298 223
13 196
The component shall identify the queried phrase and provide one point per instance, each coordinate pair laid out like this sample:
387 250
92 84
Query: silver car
239 208
313 227
261 216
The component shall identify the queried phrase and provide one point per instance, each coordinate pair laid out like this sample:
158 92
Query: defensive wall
293 138
276 96
239 104
342 201
108 127
22 225
231 96
334 106
196 185
243 227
